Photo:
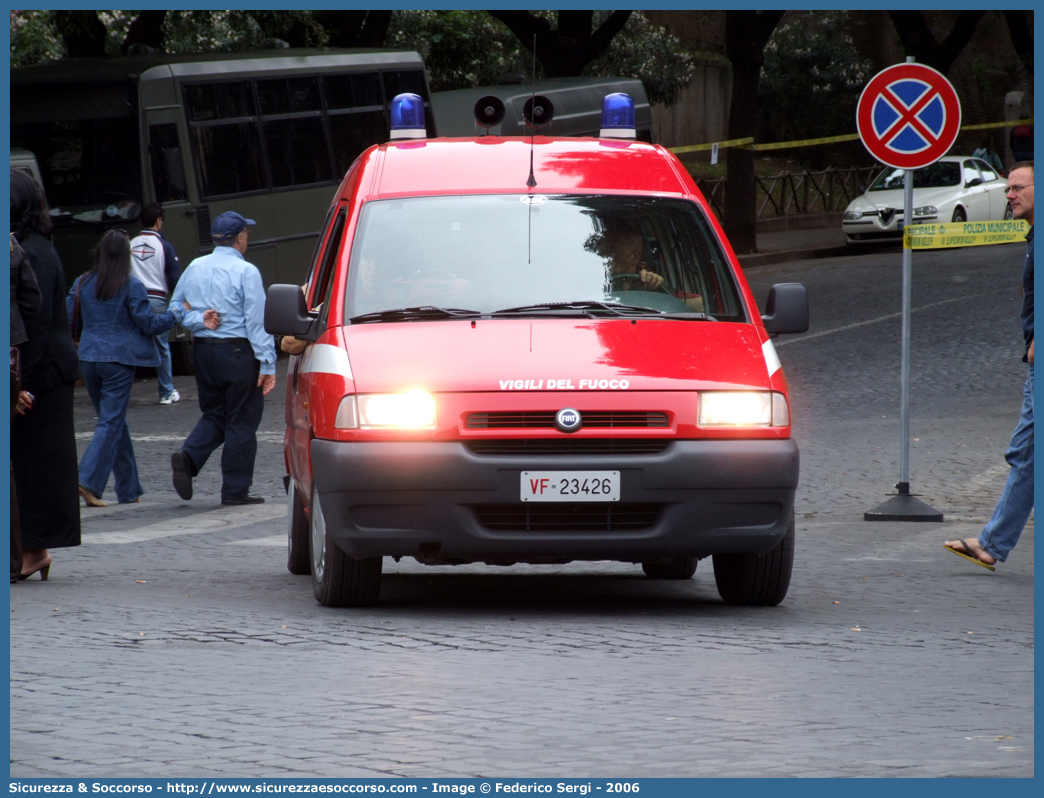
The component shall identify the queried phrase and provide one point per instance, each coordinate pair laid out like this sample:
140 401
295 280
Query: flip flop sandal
968 554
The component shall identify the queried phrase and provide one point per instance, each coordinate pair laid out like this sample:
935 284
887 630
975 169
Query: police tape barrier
785 145
748 143
721 145
994 125
964 234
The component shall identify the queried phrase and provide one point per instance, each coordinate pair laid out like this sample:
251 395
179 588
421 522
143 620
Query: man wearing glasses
1002 531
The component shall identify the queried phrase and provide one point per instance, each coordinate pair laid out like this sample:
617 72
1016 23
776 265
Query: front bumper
441 503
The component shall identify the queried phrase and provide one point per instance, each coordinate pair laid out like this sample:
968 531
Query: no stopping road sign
908 116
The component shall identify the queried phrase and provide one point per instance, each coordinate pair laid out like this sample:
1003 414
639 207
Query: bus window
207 102
353 132
228 157
295 141
411 81
358 90
168 175
80 135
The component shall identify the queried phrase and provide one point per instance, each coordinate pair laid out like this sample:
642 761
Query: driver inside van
621 244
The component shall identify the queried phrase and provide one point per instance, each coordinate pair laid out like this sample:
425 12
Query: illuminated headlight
411 410
853 216
927 210
743 409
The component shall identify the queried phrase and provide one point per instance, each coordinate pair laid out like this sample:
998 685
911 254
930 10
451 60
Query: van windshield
534 254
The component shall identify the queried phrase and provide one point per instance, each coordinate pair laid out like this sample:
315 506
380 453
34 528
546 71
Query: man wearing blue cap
234 363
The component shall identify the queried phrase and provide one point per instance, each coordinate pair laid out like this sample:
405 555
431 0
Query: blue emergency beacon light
407 117
617 116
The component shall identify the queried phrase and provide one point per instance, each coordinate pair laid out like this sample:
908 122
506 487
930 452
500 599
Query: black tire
337 579
181 358
1009 214
959 215
670 568
298 551
756 580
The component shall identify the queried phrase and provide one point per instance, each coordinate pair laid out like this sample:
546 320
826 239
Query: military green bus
269 134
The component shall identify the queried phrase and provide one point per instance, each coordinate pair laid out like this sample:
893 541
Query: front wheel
670 568
298 556
756 580
959 216
1009 214
337 579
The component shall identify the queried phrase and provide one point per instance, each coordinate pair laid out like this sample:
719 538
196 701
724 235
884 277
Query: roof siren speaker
407 117
538 111
617 116
489 111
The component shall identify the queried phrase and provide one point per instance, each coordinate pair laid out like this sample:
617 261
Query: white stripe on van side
326 359
771 359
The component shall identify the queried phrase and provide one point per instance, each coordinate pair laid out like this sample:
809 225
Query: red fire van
534 350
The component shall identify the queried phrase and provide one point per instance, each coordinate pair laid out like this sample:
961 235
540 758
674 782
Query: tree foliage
920 42
460 48
811 77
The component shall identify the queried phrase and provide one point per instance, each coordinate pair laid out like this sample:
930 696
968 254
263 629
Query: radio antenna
531 182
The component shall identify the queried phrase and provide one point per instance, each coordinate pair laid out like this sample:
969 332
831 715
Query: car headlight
410 410
927 210
743 409
853 216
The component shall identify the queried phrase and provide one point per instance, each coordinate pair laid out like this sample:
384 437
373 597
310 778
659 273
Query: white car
953 189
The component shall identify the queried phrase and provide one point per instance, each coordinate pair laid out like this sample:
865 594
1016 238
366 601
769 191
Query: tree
145 31
564 51
921 43
471 48
812 77
746 34
1020 26
82 33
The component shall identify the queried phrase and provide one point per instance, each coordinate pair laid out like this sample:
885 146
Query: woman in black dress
43 441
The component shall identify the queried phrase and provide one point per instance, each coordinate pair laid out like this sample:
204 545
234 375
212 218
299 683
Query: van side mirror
786 309
286 313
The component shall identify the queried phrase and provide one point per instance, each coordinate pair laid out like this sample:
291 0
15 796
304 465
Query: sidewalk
784 245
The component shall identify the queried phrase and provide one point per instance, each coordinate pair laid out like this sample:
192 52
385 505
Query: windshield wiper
595 309
419 313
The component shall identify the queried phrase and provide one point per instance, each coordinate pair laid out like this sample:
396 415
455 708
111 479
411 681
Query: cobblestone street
175 643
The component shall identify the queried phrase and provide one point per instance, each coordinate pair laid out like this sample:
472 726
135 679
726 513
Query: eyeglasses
1017 189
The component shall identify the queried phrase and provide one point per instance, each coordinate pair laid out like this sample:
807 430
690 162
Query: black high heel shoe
43 569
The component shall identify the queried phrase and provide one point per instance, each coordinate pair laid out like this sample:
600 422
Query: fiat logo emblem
567 419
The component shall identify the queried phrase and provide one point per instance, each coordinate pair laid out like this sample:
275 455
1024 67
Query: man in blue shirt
1003 530
234 363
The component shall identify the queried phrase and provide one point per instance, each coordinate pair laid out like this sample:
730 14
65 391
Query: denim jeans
110 450
164 373
1003 530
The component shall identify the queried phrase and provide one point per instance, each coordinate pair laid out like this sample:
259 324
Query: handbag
76 325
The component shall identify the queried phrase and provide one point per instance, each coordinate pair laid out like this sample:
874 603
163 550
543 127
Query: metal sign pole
903 506
904 368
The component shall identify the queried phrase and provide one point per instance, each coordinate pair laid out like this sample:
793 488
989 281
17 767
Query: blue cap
228 225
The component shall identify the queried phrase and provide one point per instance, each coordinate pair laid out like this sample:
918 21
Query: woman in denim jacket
118 326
